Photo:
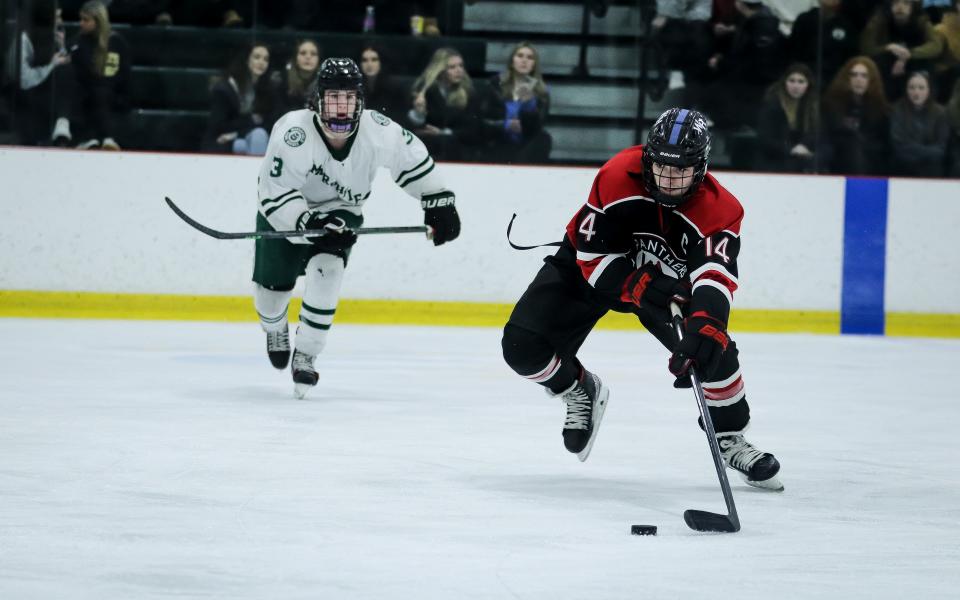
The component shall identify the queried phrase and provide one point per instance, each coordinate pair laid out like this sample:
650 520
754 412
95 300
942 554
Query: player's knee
326 264
524 350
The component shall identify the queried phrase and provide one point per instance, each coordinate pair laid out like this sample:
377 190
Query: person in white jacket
41 67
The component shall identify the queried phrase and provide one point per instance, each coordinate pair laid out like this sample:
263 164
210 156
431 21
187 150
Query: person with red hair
855 115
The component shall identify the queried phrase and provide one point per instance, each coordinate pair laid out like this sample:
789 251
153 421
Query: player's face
370 63
258 61
901 9
796 85
308 57
523 61
87 24
455 70
918 90
672 181
859 79
339 104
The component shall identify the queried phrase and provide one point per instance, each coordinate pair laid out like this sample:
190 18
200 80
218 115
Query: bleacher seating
174 67
594 79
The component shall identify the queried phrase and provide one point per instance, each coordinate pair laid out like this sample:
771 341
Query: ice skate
278 347
304 375
757 468
586 402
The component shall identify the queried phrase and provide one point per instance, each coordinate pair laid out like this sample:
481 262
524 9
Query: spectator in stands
855 115
947 67
899 38
515 109
101 60
45 93
381 92
294 84
788 126
919 130
824 37
242 105
680 30
953 118
445 112
753 61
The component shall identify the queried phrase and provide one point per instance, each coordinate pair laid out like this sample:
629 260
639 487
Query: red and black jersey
621 227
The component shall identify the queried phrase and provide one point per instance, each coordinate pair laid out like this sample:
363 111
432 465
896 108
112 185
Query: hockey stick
258 235
701 520
517 247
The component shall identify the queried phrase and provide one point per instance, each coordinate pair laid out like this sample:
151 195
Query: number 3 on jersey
277 167
586 226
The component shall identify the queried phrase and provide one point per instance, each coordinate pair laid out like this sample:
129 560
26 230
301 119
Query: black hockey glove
704 341
440 215
652 290
338 236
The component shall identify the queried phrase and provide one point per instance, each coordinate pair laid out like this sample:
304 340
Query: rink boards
88 235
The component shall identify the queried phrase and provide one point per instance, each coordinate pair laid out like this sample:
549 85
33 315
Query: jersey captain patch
295 136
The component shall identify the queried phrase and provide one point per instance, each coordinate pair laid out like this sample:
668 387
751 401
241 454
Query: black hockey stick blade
257 235
518 247
701 520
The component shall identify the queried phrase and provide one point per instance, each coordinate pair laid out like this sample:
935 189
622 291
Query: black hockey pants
559 310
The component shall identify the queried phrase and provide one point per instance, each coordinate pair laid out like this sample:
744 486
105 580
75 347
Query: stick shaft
708 426
257 235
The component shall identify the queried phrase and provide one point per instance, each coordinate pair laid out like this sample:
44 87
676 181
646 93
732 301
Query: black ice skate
757 468
278 348
304 375
586 401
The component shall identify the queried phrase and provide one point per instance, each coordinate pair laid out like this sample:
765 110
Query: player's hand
337 236
651 289
441 218
704 341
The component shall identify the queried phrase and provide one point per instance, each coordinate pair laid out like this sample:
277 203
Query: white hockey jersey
301 171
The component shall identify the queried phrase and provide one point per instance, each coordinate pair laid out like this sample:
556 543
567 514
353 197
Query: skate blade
597 418
300 390
773 484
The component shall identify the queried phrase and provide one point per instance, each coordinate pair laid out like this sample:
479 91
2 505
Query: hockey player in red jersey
656 228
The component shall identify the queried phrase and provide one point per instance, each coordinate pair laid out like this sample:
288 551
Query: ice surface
169 460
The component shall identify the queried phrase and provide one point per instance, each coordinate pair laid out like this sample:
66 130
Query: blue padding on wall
864 256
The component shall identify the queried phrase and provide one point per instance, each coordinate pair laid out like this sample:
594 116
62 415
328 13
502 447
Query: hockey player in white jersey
317 174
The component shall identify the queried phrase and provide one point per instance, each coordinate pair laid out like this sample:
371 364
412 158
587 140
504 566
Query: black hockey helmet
339 74
680 138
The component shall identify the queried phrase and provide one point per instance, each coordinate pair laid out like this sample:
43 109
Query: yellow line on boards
94 305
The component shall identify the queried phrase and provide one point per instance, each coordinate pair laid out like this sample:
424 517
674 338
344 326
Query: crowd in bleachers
835 86
850 86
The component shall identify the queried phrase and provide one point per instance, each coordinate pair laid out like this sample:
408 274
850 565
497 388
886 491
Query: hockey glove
652 290
440 215
338 236
704 341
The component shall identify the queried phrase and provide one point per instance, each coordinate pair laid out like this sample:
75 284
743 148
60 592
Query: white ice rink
169 460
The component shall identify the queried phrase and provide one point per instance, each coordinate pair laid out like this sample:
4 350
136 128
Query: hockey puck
643 530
